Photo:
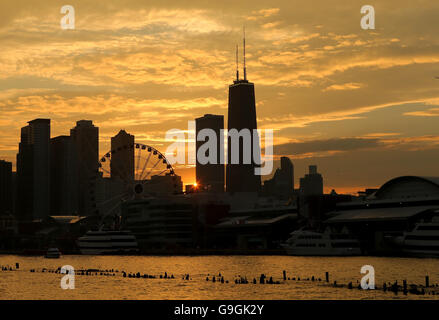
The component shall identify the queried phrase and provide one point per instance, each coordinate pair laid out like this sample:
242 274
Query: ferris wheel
129 172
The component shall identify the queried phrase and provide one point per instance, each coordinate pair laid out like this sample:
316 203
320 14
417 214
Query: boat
52 253
108 242
311 243
423 239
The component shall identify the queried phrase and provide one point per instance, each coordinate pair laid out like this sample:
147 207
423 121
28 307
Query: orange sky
361 104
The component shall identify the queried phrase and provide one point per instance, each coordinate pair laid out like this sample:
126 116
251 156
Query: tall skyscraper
312 183
5 187
287 168
63 176
122 158
241 177
210 176
85 139
33 170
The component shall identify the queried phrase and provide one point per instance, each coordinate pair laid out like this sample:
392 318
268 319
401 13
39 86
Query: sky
363 105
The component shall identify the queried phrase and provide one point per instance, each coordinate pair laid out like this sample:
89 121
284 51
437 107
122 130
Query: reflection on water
26 285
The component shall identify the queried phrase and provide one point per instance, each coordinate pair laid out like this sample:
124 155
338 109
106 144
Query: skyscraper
122 157
85 139
241 177
288 168
282 183
5 187
33 170
210 176
312 183
63 176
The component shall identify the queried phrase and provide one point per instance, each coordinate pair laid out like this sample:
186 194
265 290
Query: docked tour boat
311 243
108 242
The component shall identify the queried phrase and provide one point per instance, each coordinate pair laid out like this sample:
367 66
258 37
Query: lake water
23 284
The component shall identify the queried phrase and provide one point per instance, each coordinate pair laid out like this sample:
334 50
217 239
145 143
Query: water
23 284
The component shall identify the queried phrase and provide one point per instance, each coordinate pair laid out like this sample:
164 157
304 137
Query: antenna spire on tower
245 70
237 66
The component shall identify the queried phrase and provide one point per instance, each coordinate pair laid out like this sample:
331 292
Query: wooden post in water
327 276
427 281
285 275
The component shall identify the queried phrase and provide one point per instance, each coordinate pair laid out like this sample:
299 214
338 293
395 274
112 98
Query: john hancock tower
241 177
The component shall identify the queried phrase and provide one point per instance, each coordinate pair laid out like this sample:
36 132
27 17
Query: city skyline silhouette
216 157
328 88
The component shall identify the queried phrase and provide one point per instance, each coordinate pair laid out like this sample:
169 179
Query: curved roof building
408 187
386 215
400 198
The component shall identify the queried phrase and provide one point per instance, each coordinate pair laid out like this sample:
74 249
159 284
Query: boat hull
108 251
108 243
294 251
423 240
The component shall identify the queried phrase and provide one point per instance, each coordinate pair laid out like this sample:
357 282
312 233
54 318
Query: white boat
108 242
311 243
423 240
53 253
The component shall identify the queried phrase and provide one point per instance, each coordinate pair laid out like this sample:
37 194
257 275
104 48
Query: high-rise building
25 177
288 168
312 183
63 176
5 187
210 176
33 170
122 157
85 139
241 177
282 183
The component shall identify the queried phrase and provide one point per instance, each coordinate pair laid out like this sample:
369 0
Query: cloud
270 25
433 112
382 134
329 145
263 13
327 148
413 144
344 86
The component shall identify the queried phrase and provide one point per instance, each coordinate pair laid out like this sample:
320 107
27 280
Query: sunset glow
361 104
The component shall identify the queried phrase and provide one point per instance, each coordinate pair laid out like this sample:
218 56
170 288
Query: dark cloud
336 144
